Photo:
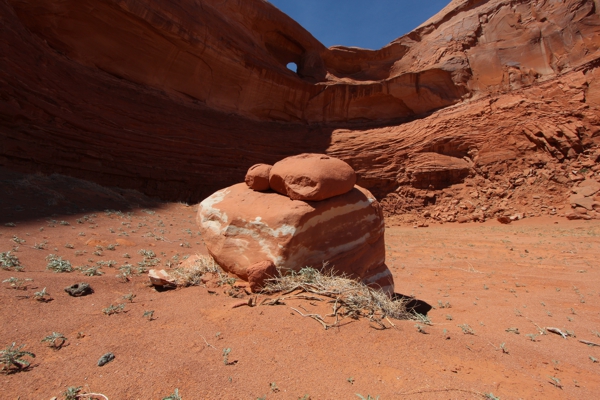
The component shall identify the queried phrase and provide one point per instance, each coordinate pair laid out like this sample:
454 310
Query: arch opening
292 66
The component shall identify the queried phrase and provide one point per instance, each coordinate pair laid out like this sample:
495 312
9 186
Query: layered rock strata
177 99
242 227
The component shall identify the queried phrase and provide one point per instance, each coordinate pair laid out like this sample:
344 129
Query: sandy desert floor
494 290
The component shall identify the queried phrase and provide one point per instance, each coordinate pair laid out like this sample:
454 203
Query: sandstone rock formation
259 273
311 177
242 227
257 177
160 277
179 98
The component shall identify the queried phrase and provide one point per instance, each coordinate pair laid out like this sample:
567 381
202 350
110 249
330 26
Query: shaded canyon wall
179 98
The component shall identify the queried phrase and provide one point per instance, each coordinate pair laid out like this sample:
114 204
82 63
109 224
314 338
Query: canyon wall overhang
178 98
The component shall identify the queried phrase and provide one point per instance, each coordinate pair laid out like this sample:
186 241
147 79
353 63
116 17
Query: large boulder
312 177
242 227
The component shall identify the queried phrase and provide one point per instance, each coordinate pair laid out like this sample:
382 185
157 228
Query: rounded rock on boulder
257 177
312 177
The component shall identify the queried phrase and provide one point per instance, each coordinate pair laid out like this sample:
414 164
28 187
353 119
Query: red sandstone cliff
178 98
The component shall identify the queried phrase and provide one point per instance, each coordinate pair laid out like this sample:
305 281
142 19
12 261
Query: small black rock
79 289
105 359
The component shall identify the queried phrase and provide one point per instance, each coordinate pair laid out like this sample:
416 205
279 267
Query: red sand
535 272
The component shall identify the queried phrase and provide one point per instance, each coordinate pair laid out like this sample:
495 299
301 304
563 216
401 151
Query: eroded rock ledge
179 98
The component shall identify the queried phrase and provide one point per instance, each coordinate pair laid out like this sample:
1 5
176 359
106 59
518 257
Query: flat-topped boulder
312 177
242 227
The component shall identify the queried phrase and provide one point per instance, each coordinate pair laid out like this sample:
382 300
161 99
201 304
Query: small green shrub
129 297
91 271
467 330
56 340
40 246
17 283
10 262
226 356
149 314
174 396
13 356
42 296
57 264
72 392
110 310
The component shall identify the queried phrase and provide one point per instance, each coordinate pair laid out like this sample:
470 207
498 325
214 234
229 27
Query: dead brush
193 276
350 298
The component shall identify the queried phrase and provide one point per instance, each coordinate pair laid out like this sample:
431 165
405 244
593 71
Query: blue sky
370 24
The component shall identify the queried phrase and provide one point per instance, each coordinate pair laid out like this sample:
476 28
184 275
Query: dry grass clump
350 298
192 276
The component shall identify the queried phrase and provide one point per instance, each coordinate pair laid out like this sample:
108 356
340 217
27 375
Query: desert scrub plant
193 276
224 279
174 396
56 340
108 264
13 356
444 305
149 315
57 264
40 246
352 298
226 356
17 283
90 271
274 388
129 297
10 262
42 296
554 381
149 261
367 398
147 253
72 392
110 310
173 261
18 240
125 273
466 329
